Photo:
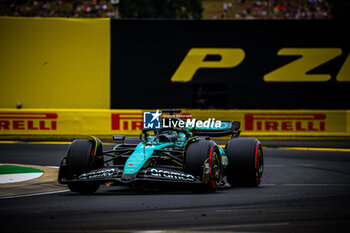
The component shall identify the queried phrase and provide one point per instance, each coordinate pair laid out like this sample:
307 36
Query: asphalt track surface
302 191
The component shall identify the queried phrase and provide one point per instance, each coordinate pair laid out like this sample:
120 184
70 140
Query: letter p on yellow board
195 59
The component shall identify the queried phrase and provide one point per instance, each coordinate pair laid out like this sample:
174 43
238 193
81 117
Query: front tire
245 162
196 155
83 156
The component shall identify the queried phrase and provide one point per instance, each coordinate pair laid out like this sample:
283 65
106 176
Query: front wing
115 175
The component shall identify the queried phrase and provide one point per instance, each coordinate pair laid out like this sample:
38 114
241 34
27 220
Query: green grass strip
11 169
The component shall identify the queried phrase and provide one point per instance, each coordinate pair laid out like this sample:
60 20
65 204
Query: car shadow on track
137 191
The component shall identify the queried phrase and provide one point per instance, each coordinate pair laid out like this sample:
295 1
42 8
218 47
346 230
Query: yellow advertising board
54 63
254 123
284 122
64 122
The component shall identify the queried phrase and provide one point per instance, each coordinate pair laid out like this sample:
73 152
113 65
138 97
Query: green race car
183 157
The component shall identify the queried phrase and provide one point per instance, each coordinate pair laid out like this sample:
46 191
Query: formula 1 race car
172 156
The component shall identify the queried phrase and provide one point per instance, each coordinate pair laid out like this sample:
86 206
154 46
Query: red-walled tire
245 162
196 155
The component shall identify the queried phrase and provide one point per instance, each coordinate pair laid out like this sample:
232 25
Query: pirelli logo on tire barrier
261 123
277 123
28 121
285 122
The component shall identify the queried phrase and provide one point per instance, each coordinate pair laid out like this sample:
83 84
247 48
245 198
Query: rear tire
81 158
197 153
245 162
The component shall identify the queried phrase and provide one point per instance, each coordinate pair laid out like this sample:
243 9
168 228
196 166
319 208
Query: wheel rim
260 165
215 167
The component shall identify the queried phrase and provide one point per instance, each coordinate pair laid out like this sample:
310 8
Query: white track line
19 177
52 166
306 185
34 194
206 228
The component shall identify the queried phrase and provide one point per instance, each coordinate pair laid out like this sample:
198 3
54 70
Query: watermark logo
211 123
151 120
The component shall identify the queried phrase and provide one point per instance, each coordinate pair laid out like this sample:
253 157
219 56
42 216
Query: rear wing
227 128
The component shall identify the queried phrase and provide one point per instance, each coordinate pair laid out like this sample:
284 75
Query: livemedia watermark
153 120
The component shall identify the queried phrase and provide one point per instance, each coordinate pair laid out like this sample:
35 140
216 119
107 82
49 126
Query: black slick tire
196 155
81 158
245 162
